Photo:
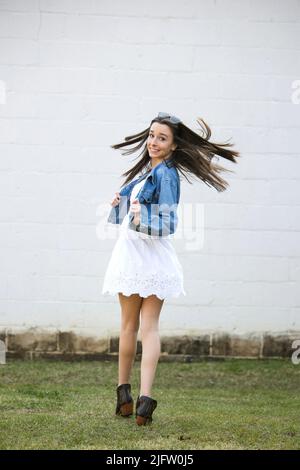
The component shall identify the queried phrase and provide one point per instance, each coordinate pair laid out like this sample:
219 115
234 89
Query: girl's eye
162 138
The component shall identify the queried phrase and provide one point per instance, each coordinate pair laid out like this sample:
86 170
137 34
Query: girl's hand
135 208
116 200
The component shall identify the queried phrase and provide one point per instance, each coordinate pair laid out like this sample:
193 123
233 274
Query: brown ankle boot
124 400
144 409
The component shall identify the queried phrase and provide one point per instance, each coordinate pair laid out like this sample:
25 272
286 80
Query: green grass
235 404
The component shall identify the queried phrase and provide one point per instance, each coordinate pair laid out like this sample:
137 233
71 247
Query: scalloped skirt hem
143 293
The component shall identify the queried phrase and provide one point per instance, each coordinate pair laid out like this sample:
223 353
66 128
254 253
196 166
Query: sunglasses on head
169 117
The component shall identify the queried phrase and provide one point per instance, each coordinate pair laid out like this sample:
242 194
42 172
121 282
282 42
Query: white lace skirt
140 264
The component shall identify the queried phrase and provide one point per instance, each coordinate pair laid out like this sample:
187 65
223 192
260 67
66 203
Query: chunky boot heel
144 409
124 400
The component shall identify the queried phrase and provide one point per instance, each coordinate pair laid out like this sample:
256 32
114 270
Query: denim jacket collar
156 166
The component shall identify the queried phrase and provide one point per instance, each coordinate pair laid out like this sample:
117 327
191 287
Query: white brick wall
82 74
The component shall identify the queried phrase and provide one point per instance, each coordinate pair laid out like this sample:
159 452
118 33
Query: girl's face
160 142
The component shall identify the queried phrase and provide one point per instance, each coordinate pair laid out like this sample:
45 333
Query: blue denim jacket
159 198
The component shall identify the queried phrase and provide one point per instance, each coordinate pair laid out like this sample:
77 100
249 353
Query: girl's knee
132 328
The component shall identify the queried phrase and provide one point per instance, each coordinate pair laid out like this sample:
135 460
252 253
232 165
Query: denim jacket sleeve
160 219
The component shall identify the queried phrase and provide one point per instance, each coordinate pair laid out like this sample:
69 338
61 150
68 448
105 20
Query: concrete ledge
33 343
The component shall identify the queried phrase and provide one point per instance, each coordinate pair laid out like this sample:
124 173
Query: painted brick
81 75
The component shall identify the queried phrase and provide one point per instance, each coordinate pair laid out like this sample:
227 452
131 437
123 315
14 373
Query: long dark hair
193 154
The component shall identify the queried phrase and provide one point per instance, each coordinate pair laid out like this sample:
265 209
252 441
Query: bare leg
150 311
130 321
